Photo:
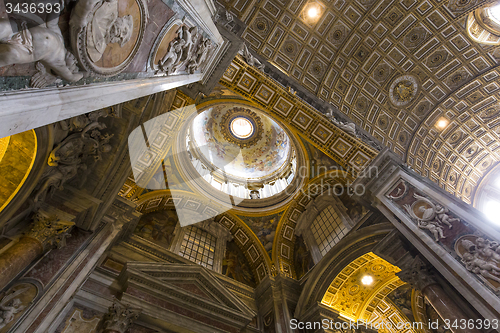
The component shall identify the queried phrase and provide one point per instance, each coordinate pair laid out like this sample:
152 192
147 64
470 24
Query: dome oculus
241 128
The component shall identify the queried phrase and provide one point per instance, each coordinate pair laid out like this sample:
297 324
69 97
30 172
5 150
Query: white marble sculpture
200 55
430 216
106 27
348 127
10 305
481 267
184 50
167 63
43 43
250 59
488 249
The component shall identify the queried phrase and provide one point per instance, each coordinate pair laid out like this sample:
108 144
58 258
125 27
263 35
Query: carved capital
119 318
416 273
50 231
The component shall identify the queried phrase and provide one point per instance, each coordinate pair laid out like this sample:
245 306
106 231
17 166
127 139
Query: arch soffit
348 249
44 137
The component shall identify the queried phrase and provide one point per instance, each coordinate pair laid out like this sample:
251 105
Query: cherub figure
486 249
43 43
430 216
167 63
443 217
435 229
189 36
10 306
200 56
480 266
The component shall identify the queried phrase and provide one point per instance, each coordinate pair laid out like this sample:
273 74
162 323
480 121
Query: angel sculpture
189 36
9 306
487 249
348 127
434 228
250 59
481 267
168 61
199 57
430 216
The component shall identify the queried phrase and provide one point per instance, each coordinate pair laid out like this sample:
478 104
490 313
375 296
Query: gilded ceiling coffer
420 276
46 233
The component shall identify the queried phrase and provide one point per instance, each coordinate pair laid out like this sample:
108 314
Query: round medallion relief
106 37
403 90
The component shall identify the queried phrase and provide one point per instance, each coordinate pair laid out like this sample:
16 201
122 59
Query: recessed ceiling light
313 12
367 280
442 123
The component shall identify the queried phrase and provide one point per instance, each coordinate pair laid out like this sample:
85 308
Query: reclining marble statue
23 42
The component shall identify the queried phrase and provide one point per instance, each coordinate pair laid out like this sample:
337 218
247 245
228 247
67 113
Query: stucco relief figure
250 59
10 305
71 156
348 127
43 43
200 55
430 216
169 60
107 28
488 249
479 266
181 51
480 256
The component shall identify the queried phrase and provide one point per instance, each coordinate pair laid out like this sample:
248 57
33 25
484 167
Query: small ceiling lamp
442 123
367 280
313 12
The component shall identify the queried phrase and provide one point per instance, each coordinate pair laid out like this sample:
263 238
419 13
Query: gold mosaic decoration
404 91
354 300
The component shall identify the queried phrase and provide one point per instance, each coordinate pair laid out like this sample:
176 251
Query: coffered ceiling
395 68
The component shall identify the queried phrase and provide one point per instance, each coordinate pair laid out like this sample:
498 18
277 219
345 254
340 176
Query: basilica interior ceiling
396 69
263 232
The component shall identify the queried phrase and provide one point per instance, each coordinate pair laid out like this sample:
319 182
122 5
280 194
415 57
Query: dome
240 141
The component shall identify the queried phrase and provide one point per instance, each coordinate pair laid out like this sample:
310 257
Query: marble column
46 233
420 277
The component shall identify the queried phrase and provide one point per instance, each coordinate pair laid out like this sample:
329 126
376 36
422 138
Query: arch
243 236
353 246
23 163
